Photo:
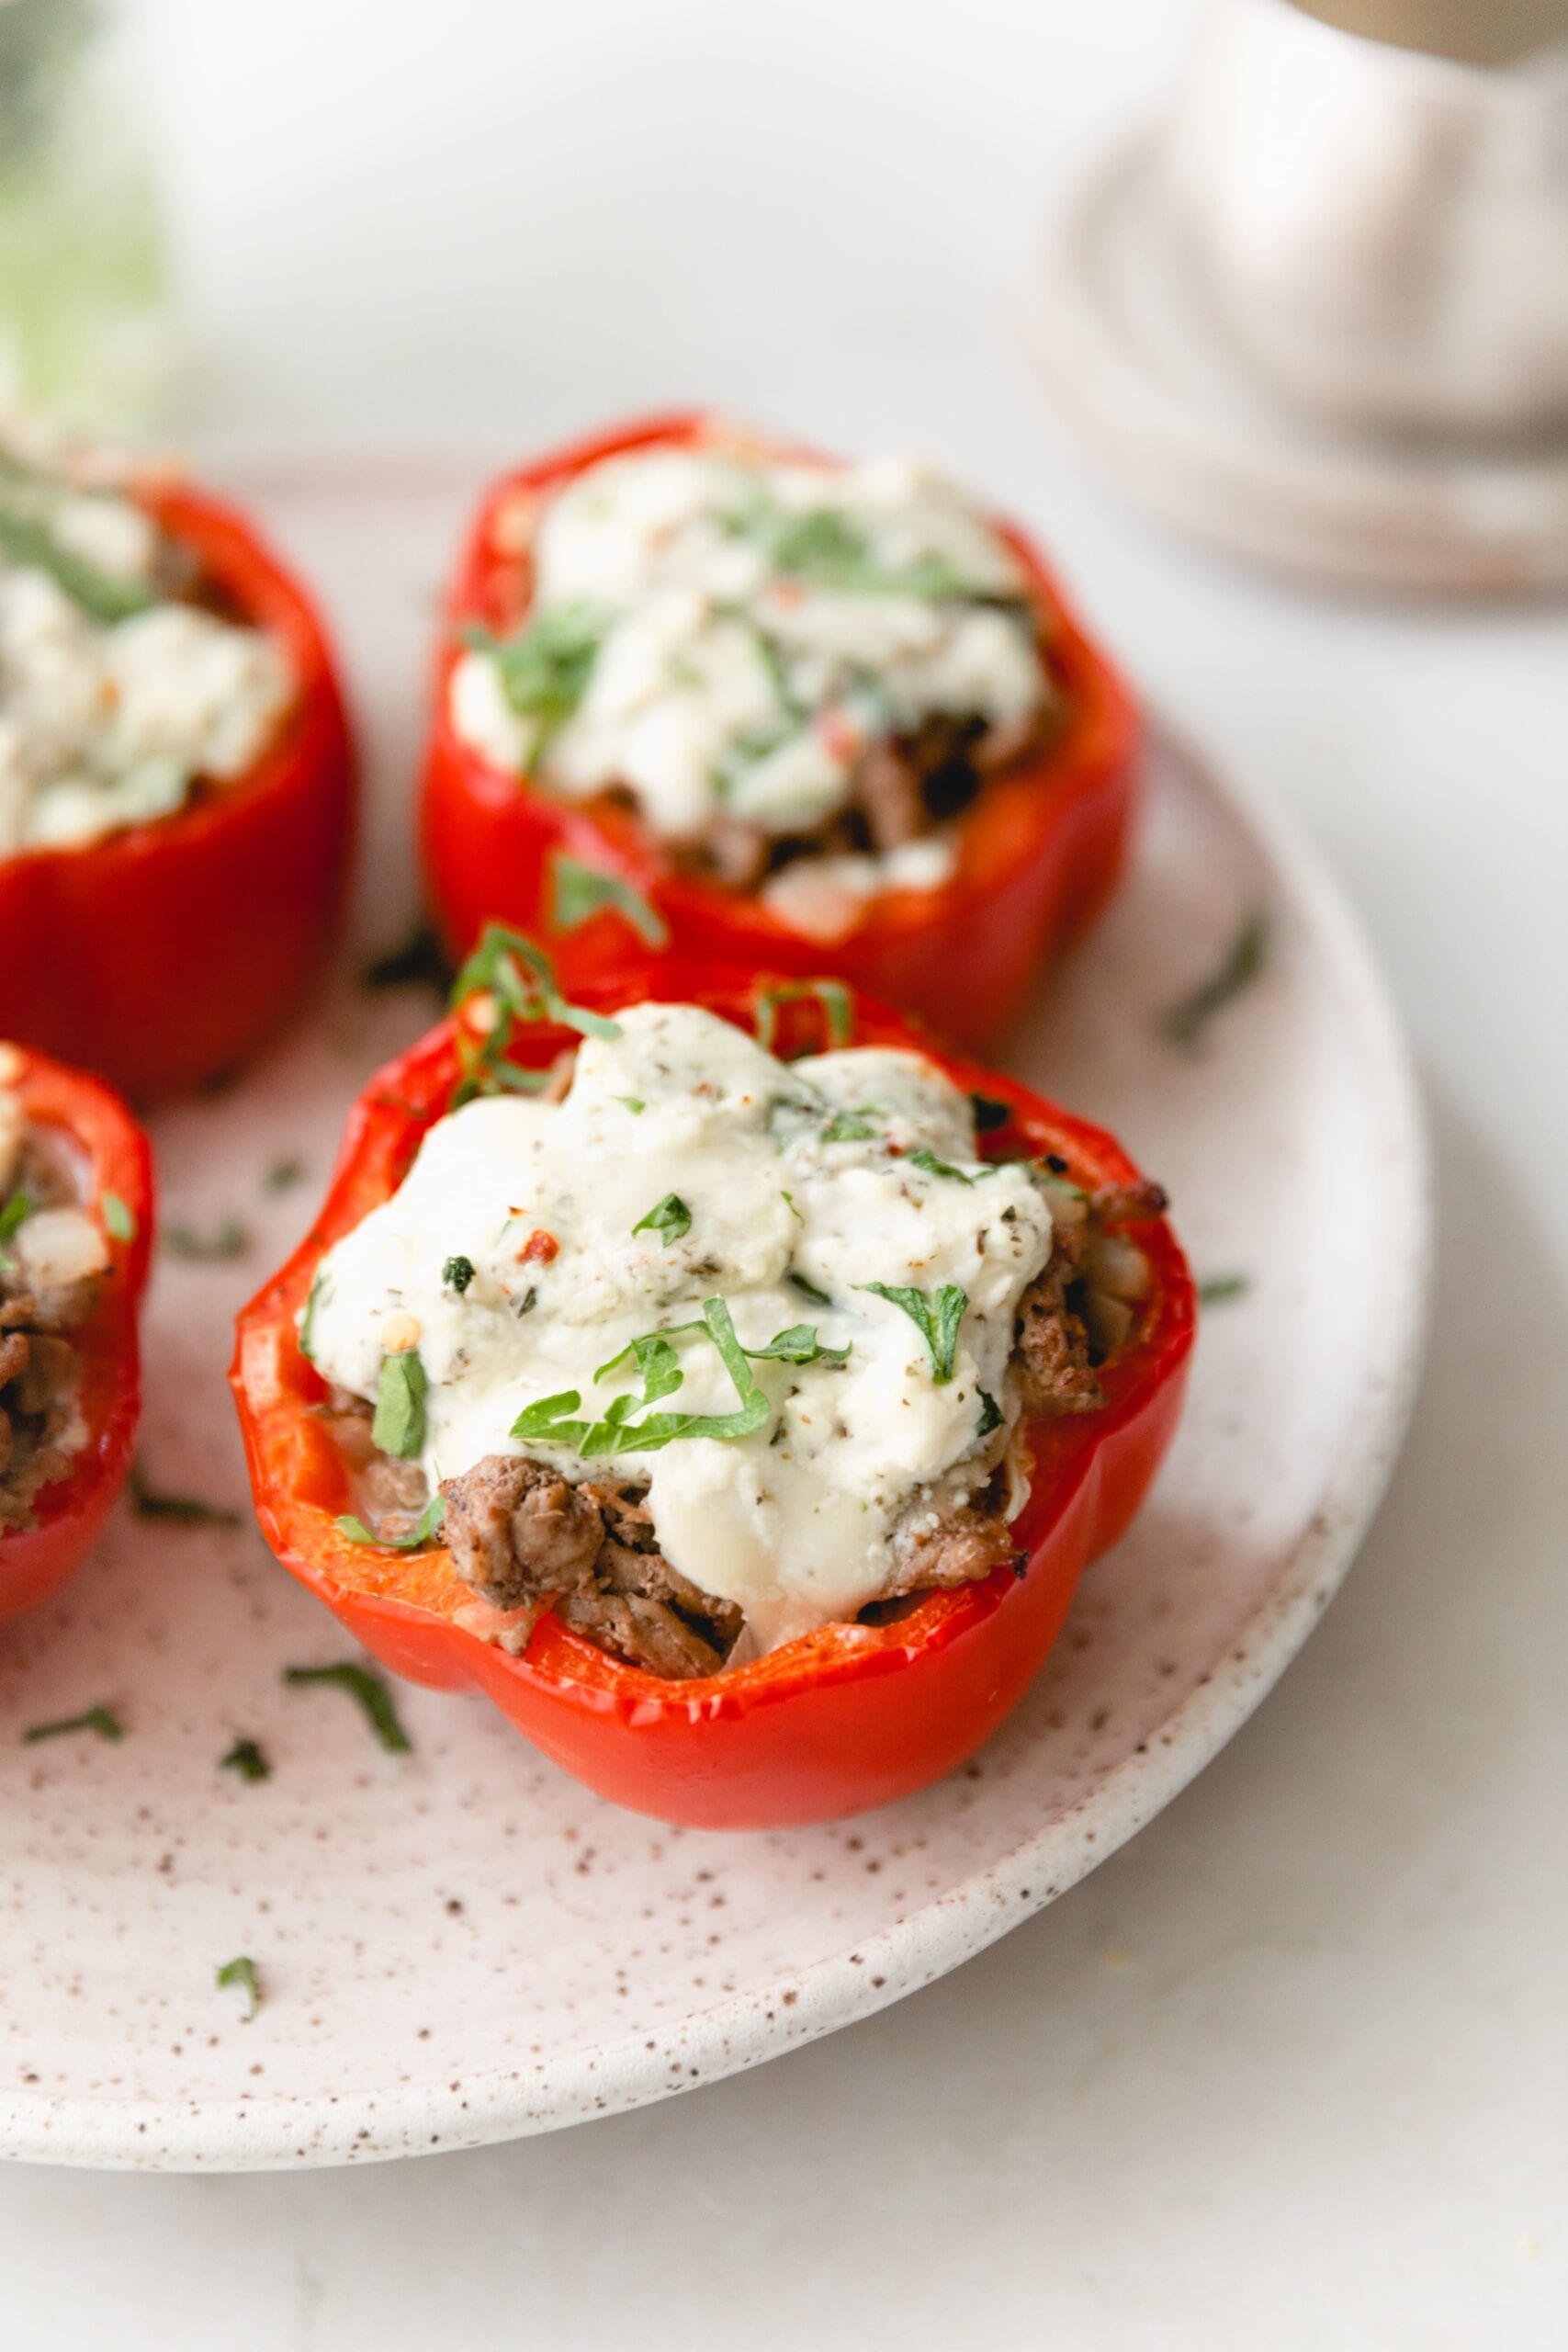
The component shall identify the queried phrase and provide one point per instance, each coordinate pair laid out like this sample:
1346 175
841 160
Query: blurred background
1289 2071
479 222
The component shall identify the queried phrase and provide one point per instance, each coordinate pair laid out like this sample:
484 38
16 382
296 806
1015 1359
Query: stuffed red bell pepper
725 1379
789 715
175 778
75 1232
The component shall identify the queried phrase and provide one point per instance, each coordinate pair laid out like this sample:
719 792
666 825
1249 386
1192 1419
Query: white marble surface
1290 2071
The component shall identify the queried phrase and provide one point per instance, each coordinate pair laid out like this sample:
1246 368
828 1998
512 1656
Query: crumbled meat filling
524 1537
1080 1311
39 1366
904 787
521 1535
950 1544
392 1493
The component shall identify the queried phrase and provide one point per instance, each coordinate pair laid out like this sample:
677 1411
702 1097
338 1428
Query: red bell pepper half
844 1718
164 954
116 1161
1040 852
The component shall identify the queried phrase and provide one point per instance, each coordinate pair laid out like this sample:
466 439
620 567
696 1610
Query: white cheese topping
723 633
109 716
791 1521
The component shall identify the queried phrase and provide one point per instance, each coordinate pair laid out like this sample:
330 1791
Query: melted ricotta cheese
797 1180
753 626
110 723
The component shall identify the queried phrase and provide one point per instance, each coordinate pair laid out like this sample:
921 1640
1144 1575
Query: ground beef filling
905 788
1081 1311
520 1534
525 1538
40 1370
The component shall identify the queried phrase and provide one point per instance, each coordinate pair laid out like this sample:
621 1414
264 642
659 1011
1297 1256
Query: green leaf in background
832 995
176 1511
545 668
101 1720
419 1535
368 1692
246 1759
582 891
242 1973
17 1209
1185 1021
119 1220
227 1239
934 1167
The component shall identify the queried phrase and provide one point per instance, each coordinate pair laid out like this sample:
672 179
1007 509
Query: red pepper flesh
1040 852
164 954
844 1718
116 1159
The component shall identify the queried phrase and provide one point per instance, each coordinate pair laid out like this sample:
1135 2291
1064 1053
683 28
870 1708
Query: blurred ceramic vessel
1383 230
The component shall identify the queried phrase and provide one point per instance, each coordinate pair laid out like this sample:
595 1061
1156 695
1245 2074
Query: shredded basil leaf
101 1720
770 656
936 1315
242 1971
367 1691
282 1175
118 1219
545 670
669 1219
557 1420
655 1359
546 1421
399 1425
991 1414
247 1759
822 548
582 891
24 540
1219 1288
458 1273
319 1291
808 1289
17 1209
520 976
848 1126
633 1103
419 1535
177 1511
1184 1022
799 1344
926 1158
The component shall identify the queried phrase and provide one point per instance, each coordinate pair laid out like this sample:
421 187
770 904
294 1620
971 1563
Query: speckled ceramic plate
460 1945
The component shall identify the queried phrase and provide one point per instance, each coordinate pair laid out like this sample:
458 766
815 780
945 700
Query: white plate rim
737 2032
1326 505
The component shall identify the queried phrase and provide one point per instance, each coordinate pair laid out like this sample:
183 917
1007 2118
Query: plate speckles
460 1945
